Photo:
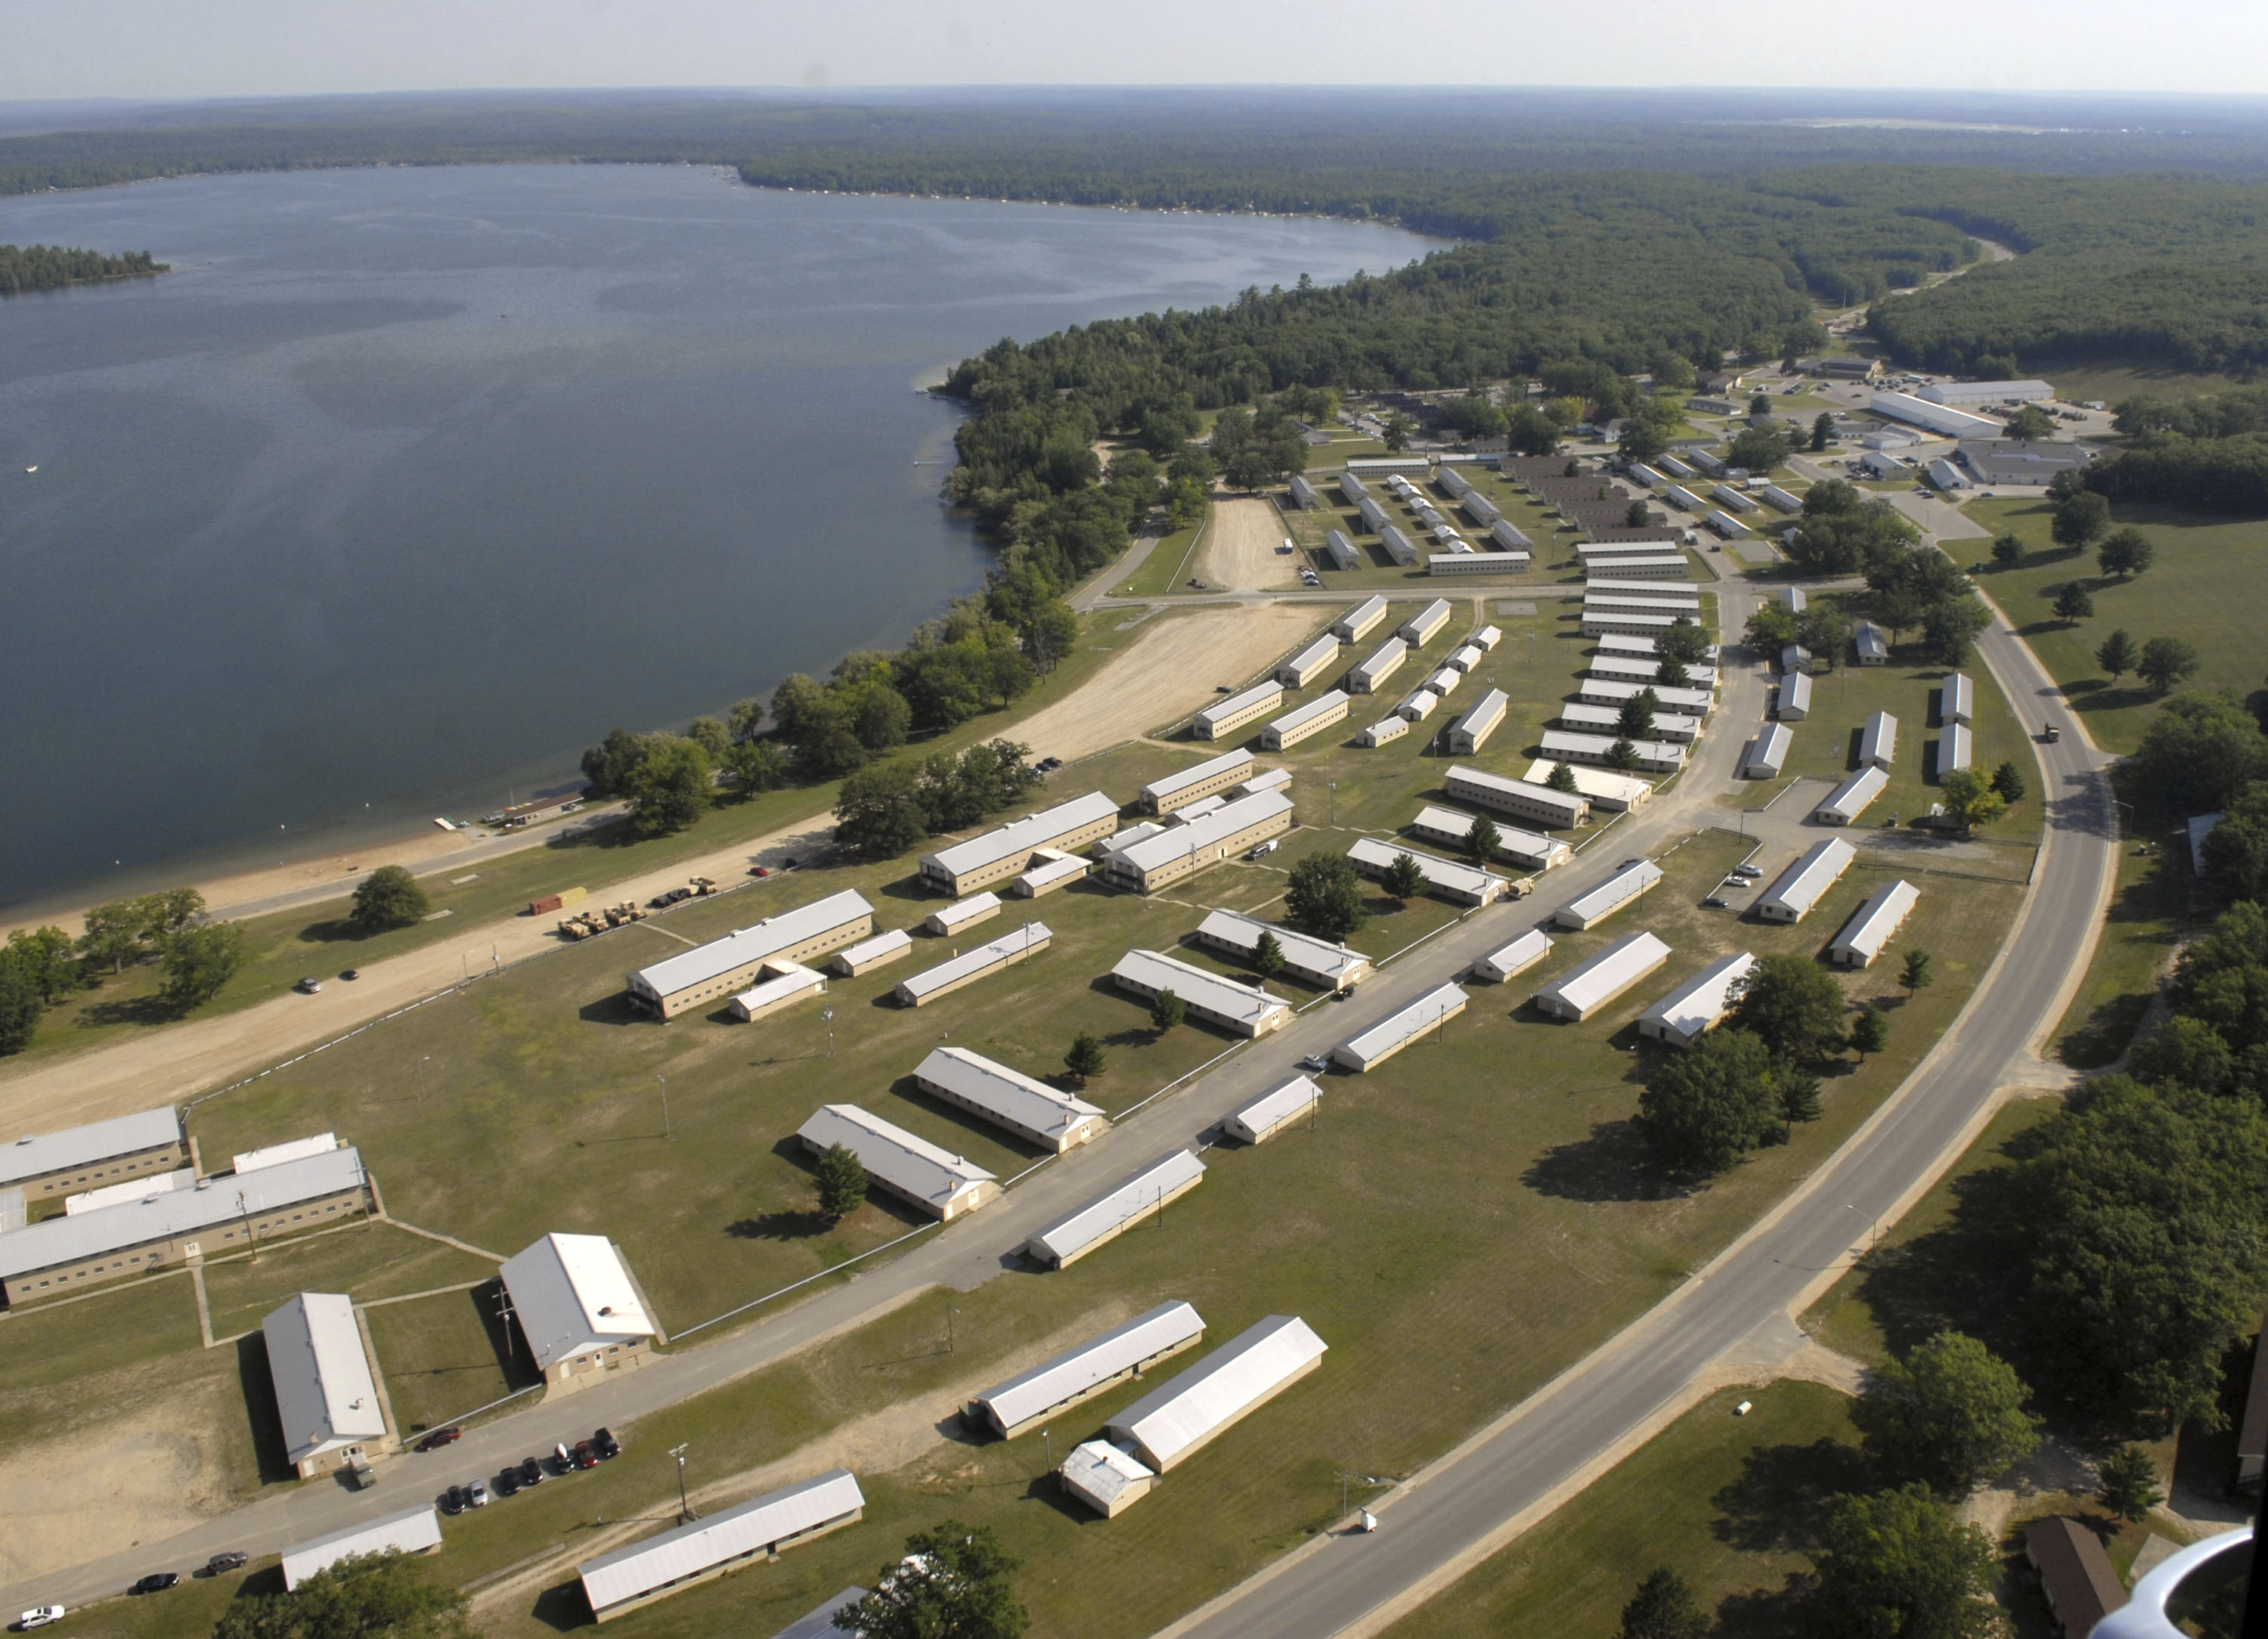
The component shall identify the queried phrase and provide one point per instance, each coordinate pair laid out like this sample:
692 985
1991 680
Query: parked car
157 1582
1314 1063
585 1457
40 1616
452 1500
561 1461
507 1483
478 1494
531 1473
308 987
1716 902
605 1444
1264 849
440 1438
351 975
220 1565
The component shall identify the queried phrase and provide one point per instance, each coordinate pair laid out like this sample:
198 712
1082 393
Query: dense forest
51 267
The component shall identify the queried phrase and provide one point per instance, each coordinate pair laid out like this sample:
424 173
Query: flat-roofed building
1529 849
2015 461
951 919
1501 967
44 1165
1378 733
1609 691
1420 704
1216 722
1954 749
1655 757
1791 701
1086 1369
1106 1479
579 1309
1011 1101
1445 878
779 986
1598 981
1956 699
1938 418
1987 393
1303 493
922 1174
1617 793
1419 629
1523 799
1766 755
1315 961
73 1252
1878 739
1847 801
709 973
1625 888
1695 1007
1871 642
1483 719
1309 664
326 1397
412 1530
1367 1049
1118 1210
1637 566
1054 870
1874 925
1382 664
920 989
1599 622
1341 551
1308 721
1197 781
1182 851
1674 726
868 954
1262 1119
1359 622
1173 1421
1398 546
1510 539
1799 888
1241 1010
629 1578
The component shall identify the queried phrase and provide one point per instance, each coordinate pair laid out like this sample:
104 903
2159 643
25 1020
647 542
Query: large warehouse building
578 1308
710 973
984 861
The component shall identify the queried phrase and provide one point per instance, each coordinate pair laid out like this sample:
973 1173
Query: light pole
1874 1226
1333 786
685 1514
949 1312
666 1130
827 1018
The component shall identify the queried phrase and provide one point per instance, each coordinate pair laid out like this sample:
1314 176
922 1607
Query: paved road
1448 1517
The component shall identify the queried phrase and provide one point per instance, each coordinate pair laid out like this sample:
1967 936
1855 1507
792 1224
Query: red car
585 1457
440 1438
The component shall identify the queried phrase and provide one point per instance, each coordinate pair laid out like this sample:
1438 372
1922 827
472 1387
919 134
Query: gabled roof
690 1549
572 1293
325 1394
737 949
1032 1106
412 1530
912 1166
1023 835
41 1153
1182 1414
1098 1360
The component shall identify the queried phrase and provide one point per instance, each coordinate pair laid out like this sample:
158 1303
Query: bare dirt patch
1170 668
1239 550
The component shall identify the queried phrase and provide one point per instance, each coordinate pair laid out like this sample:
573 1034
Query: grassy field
2206 575
1721 1500
1166 569
2153 909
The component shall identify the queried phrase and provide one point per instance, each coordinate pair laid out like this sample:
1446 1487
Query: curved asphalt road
1442 1523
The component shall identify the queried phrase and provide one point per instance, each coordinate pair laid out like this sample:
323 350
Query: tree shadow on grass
1787 1611
140 1009
779 1226
1614 1163
1779 1503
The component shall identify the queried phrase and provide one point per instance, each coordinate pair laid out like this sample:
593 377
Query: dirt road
1238 549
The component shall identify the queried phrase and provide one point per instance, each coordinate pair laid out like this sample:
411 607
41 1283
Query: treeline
39 967
51 267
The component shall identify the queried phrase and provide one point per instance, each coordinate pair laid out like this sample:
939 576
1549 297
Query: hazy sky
68 48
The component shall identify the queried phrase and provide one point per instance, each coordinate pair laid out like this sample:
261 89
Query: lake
407 484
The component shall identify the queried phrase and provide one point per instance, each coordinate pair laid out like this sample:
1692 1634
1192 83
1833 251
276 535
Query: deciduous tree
2168 662
2074 603
198 961
21 1009
2199 752
1793 1006
1951 1414
1664 1608
1969 799
388 897
377 1596
670 788
1870 1032
1324 896
43 955
1683 641
879 811
2008 549
1702 1110
2125 553
2080 520
953 1584
1898 1562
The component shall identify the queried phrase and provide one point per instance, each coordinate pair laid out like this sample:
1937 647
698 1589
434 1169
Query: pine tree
1166 1011
1404 880
2130 1482
1483 840
1562 778
841 1179
2008 780
2117 654
1086 1057
1870 1033
1268 956
1914 973
1799 1095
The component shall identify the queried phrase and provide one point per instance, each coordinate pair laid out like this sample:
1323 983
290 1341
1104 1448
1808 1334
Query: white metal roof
1459 781
41 1153
1798 888
1428 619
820 1624
1878 737
1196 774
1605 976
1522 954
1359 619
1847 801
913 1166
1616 892
1321 706
1390 1032
572 1294
1303 953
325 1396
1387 655
736 949
1771 747
1652 753
1617 644
1031 936
1954 749
689 1550
1642 591
1264 1112
1443 679
881 944
1599 784
1101 1357
1182 1414
1206 832
1485 713
1128 1198
1607 720
1871 926
129 1189
1098 1469
1010 1094
1956 698
1702 1000
164 1213
412 1530
1224 998
1266 780
1987 392
1510 536
976 907
1324 647
1937 417
1644 669
275 1154
1033 831
1368 853
1692 701
1054 870
1795 692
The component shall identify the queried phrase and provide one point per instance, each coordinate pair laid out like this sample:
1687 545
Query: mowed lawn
2208 581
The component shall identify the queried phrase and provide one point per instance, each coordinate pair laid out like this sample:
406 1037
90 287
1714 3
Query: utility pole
685 1514
827 1018
949 1312
666 1130
246 1213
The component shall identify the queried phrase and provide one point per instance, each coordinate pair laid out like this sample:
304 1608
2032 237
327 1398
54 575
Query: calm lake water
408 484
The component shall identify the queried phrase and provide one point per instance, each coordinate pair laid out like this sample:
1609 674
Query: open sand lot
1238 549
1168 668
